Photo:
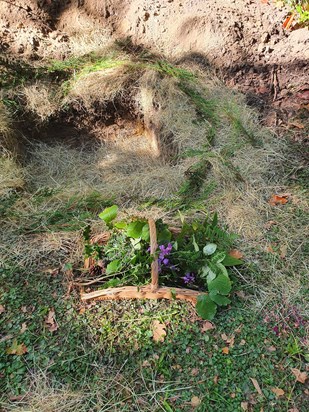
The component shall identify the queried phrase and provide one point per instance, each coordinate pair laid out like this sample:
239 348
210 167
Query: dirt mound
243 40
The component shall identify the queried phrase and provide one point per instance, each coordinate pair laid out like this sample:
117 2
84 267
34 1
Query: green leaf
218 257
205 307
136 243
120 225
113 267
214 222
222 269
209 249
207 272
109 214
164 236
135 229
219 299
221 284
145 233
231 261
196 247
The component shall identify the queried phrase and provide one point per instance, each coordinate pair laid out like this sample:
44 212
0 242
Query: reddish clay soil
243 40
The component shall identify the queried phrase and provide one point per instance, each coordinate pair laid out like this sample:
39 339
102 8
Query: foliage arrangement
194 256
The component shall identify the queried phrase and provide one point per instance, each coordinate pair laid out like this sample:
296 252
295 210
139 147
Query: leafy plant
195 256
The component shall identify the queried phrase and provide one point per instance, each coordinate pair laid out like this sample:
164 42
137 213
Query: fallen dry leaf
242 342
278 392
283 251
195 401
272 349
225 350
158 330
224 336
236 254
278 200
288 21
2 309
233 395
194 372
293 410
296 124
50 321
269 224
244 406
207 326
216 378
5 338
24 309
23 328
17 349
269 249
257 386
300 376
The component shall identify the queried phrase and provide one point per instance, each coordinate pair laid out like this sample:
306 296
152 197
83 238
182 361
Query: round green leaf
221 284
219 299
209 249
135 229
109 214
205 307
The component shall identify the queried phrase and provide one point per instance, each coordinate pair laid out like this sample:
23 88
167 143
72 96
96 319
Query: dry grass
11 175
41 99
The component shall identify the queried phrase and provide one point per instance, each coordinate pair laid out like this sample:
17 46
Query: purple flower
188 278
165 261
276 330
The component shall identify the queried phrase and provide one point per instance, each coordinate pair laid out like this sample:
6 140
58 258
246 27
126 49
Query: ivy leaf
113 267
205 307
231 261
221 284
209 249
109 214
219 299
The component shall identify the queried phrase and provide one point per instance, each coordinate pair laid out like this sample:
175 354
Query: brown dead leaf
225 350
216 378
272 349
17 349
283 251
224 336
269 249
288 21
158 330
244 406
296 124
269 224
50 321
2 309
278 392
207 326
233 395
293 410
23 328
300 376
195 401
257 386
236 254
194 372
5 338
24 309
242 342
278 200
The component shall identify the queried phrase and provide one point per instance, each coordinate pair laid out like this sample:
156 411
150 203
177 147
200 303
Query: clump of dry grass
41 99
11 175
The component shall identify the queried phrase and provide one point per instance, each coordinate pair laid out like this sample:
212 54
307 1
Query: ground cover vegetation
122 126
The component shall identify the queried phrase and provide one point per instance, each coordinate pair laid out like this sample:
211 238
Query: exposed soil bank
243 40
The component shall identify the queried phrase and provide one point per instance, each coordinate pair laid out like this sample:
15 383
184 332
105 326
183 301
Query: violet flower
188 278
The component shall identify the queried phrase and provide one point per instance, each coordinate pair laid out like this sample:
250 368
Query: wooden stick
153 249
144 292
